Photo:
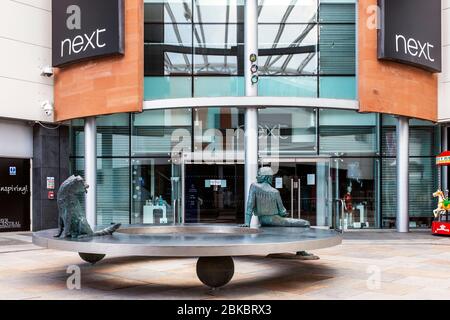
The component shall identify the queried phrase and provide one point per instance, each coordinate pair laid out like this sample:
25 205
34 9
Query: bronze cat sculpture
71 221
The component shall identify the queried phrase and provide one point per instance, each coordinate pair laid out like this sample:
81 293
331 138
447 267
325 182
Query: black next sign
85 29
410 33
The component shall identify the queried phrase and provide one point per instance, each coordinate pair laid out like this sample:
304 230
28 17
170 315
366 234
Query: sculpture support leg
91 258
215 272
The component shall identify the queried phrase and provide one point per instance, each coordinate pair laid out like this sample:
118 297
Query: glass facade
195 48
347 167
334 167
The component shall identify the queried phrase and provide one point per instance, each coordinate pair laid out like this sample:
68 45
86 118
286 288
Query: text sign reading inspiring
85 29
410 33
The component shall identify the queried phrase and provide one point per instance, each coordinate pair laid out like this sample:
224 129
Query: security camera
47 71
48 108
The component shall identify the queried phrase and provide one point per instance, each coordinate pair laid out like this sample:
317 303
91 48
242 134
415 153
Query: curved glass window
167 11
168 49
287 11
218 11
157 131
205 38
287 49
218 49
287 130
347 132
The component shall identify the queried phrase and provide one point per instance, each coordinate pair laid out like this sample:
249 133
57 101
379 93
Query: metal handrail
340 218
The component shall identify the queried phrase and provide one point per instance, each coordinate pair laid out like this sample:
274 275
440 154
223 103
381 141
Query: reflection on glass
158 131
422 183
287 49
113 193
287 11
423 138
219 134
337 87
290 130
354 192
219 11
113 135
218 49
288 86
214 194
77 138
168 49
155 191
218 86
168 11
347 132
167 87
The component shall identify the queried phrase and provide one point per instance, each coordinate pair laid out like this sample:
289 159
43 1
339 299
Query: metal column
444 147
402 174
251 90
90 168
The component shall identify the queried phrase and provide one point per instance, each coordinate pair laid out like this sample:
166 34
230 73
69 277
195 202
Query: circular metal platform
194 241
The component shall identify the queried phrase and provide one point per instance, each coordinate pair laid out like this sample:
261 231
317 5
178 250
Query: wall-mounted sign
410 33
279 183
14 195
85 29
311 179
50 183
215 183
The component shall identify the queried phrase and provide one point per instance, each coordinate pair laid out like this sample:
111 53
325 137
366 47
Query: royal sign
443 159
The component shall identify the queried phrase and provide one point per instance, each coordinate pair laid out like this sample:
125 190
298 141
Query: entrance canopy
244 102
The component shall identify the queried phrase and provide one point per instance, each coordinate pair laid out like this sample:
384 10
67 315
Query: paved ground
368 265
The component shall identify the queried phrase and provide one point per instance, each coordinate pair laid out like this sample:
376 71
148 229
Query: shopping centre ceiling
288 35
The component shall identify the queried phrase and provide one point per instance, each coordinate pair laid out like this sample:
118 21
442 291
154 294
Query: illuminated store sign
85 29
410 33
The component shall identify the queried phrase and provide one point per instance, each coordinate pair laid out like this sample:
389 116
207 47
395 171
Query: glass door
354 193
304 186
156 191
214 193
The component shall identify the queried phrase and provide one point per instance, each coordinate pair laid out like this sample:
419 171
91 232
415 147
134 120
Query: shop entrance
214 193
304 186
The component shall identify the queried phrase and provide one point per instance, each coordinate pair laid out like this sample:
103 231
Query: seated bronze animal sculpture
72 222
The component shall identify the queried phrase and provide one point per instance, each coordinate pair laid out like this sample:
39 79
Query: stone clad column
251 90
402 174
90 169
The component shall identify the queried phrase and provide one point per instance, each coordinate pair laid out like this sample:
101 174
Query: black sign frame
87 29
15 195
410 33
